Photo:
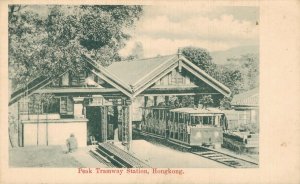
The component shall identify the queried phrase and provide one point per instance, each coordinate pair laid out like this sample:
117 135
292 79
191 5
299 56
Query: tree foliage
248 67
199 57
230 77
240 74
53 43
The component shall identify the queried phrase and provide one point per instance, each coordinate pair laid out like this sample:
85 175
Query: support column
115 125
155 101
103 111
127 124
145 101
78 107
167 99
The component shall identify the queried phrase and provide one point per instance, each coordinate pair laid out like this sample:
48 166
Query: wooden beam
108 80
77 90
225 93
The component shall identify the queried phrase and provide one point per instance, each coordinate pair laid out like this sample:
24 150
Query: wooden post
103 111
145 101
167 99
115 123
129 103
155 100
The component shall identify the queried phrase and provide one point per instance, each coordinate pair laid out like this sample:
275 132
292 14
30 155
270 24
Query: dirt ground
42 156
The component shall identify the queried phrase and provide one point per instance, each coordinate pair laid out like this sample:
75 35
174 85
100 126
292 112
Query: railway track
212 154
223 158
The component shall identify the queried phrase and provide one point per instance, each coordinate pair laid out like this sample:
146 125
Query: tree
247 67
49 45
250 67
230 77
199 57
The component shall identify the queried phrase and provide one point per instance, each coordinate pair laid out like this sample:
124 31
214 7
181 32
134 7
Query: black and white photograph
133 86
142 90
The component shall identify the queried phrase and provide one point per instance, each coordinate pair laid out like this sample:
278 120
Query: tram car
188 126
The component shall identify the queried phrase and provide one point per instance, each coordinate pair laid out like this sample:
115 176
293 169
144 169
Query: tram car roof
199 111
156 107
231 114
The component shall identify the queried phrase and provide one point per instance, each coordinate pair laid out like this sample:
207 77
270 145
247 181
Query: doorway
94 129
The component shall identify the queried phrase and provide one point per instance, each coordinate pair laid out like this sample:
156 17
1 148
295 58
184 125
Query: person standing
72 143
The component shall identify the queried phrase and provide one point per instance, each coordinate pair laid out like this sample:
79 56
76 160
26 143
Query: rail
223 158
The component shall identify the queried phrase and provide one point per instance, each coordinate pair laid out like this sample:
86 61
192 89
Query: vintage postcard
150 92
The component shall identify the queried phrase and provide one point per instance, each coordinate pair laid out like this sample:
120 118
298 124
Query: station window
207 120
66 105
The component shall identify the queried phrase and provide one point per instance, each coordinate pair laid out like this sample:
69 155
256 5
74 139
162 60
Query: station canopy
138 77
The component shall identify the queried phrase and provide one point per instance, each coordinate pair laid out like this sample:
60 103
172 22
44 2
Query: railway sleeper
116 160
206 153
217 157
101 159
125 156
112 160
122 156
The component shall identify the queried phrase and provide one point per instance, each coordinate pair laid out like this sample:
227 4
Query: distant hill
220 57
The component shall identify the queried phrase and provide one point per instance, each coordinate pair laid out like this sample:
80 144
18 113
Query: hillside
220 57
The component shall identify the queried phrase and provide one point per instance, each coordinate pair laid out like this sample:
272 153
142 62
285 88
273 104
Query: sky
163 29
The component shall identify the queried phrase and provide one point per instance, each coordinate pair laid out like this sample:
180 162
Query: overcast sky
163 29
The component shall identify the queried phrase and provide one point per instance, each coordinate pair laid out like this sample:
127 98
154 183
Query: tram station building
102 103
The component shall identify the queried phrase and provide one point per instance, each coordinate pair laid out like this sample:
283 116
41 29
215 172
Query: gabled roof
141 73
248 98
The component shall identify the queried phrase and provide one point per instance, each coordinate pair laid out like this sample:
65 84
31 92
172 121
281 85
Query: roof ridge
145 58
